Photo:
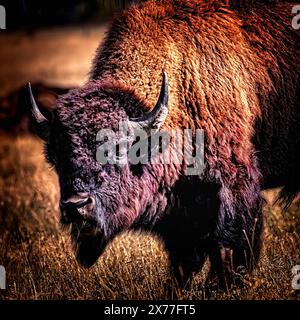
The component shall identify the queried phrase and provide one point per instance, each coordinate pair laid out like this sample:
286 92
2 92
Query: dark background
36 13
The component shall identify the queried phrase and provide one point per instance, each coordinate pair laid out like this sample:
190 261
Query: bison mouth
88 242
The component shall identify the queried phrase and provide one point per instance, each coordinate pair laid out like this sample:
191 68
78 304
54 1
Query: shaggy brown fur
233 73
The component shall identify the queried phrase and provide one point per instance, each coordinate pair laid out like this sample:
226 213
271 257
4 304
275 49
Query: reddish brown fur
233 73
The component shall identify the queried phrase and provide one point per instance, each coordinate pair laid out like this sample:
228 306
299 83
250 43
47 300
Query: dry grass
40 263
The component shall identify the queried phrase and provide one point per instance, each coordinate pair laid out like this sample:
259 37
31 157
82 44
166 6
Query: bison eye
137 169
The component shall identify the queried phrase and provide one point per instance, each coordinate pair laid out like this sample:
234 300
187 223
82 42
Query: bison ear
157 116
40 123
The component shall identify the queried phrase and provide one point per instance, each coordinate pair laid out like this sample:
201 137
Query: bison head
98 201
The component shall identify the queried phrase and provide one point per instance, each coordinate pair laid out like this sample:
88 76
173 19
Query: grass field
40 263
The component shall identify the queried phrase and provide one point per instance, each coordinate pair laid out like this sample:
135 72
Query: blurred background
34 13
51 44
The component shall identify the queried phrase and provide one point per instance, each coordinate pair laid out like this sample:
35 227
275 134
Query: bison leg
186 231
236 247
185 260
184 263
223 269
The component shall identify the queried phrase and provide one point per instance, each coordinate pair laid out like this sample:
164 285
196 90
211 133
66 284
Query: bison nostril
76 201
77 206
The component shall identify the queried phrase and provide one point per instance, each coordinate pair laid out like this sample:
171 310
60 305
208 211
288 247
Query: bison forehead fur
233 73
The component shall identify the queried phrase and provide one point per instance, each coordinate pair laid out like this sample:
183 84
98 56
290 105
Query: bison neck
227 76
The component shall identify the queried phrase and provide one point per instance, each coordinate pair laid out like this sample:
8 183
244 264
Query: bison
232 72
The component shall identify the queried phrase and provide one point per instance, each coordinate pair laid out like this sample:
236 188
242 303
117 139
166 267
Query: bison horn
157 116
41 123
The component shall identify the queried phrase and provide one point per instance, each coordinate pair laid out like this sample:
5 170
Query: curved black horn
42 124
35 110
157 116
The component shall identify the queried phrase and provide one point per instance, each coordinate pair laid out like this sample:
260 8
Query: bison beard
88 244
233 73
